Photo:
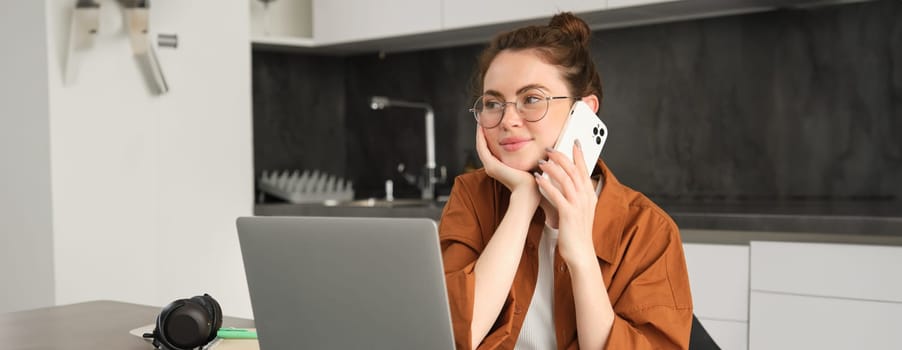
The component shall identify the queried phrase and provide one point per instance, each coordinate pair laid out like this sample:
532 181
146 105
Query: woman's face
516 142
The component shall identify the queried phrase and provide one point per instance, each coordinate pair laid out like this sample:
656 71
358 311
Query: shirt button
562 268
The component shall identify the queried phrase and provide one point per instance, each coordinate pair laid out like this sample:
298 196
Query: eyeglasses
532 105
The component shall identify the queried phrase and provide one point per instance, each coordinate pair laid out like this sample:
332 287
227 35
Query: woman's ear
592 101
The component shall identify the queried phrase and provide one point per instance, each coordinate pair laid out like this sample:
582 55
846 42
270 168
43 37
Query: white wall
285 18
26 247
145 188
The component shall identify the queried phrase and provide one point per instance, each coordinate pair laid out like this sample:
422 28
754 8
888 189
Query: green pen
236 333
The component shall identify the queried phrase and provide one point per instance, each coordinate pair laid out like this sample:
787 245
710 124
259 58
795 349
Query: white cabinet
324 23
339 21
469 13
825 296
616 4
282 18
729 335
786 295
719 278
831 270
353 26
787 321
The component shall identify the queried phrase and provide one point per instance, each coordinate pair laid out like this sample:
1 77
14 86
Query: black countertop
841 217
731 222
738 222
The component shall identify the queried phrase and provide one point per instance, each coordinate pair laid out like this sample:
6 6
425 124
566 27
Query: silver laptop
346 283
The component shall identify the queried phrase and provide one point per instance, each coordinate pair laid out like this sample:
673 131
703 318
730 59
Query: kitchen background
801 104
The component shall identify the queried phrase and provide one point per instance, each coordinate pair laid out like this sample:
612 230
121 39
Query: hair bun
571 26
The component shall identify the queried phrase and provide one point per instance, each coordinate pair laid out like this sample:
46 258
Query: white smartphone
584 125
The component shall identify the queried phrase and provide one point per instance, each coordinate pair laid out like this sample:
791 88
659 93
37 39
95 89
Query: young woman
593 265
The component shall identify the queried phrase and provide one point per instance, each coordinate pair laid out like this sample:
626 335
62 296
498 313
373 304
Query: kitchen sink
383 203
370 207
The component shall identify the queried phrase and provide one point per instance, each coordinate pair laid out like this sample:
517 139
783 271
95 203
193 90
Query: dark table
90 325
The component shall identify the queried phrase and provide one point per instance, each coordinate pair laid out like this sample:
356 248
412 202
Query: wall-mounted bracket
82 32
137 13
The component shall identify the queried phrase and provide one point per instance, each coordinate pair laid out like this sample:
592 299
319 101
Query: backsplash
791 104
299 113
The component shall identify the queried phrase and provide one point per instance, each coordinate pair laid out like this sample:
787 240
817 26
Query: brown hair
564 42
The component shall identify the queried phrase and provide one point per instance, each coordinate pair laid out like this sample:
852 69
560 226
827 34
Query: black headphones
186 324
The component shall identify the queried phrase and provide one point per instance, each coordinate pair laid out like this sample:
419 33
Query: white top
538 327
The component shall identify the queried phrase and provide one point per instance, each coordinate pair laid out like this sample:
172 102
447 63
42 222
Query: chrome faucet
427 186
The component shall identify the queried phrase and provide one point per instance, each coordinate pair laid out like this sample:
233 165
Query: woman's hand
514 179
575 202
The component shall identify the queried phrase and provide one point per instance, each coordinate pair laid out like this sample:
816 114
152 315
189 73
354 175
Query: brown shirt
639 252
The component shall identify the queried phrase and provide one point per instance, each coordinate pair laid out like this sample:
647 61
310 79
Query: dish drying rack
307 187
